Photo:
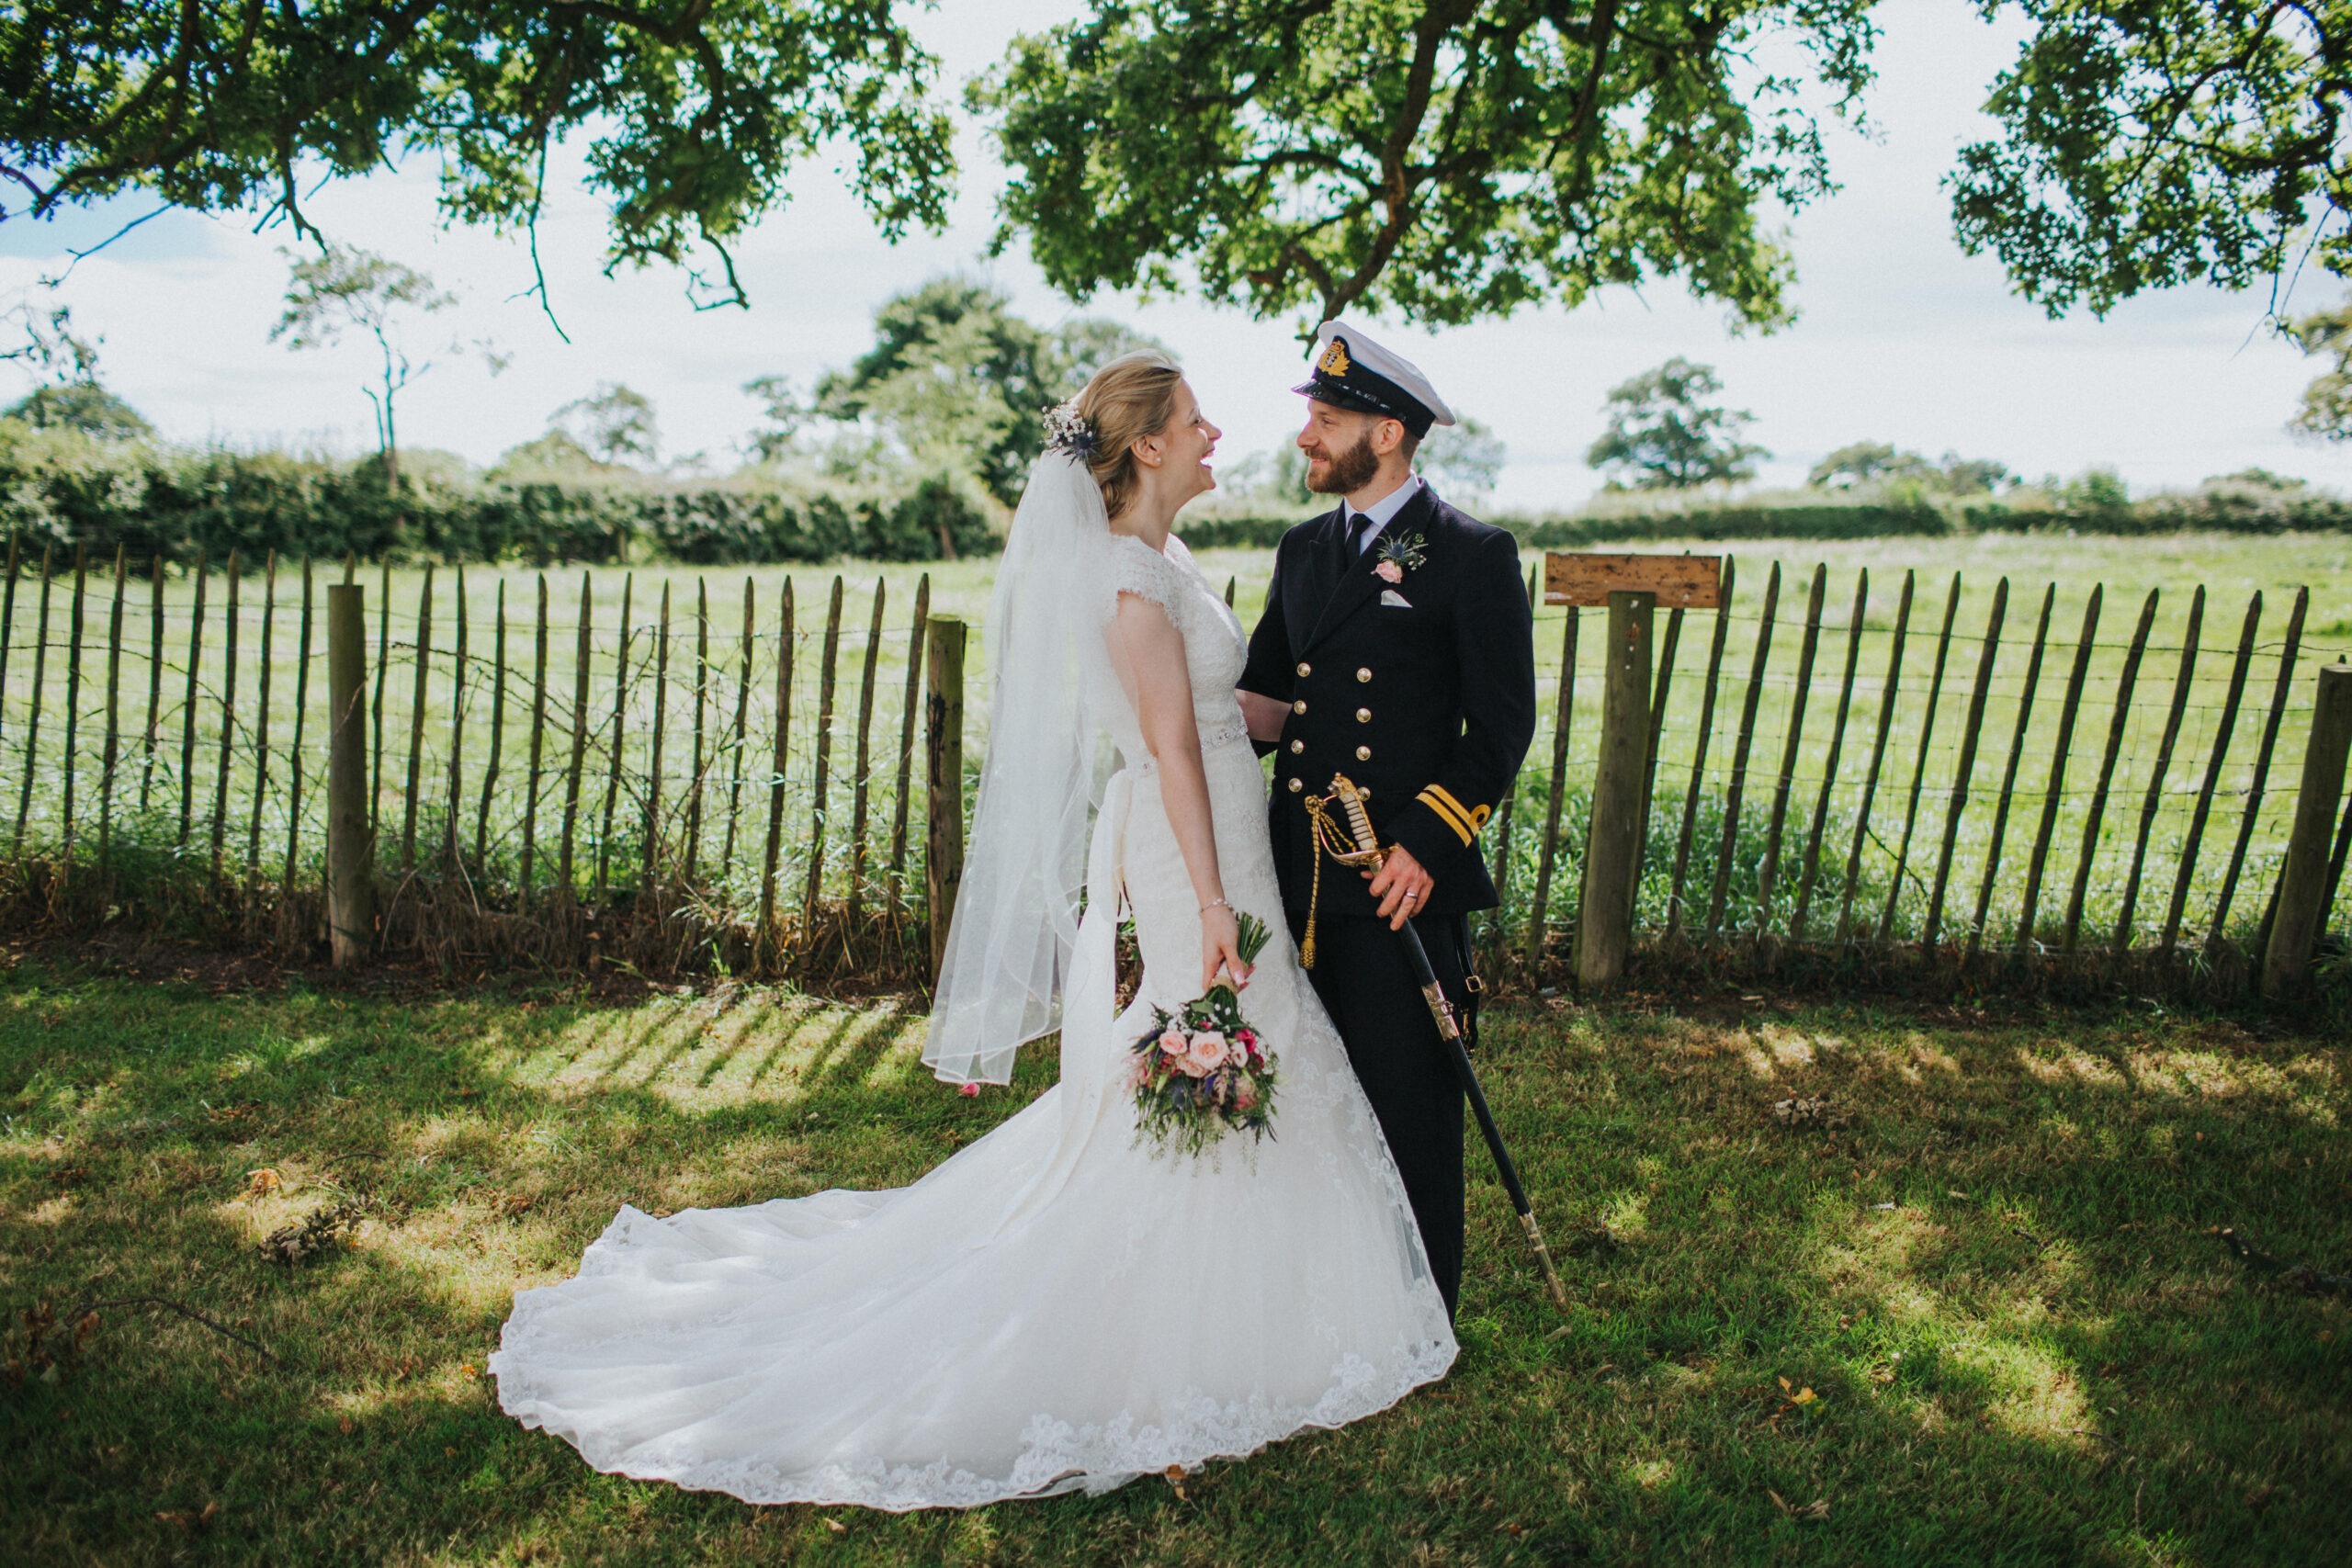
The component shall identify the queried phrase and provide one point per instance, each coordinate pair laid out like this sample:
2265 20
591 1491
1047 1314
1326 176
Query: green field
2229 567
1991 1263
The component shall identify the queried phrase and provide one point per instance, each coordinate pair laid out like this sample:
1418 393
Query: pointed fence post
1563 715
73 703
2222 731
350 837
2260 780
1612 855
2303 883
2009 775
1964 771
944 860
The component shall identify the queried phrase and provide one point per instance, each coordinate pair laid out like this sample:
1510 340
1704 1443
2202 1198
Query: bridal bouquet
1203 1072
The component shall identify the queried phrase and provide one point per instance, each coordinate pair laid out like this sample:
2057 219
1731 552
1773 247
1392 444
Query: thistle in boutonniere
1399 556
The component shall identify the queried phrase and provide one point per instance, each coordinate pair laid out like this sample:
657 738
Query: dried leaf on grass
259 1183
318 1231
193 1523
1816 1111
1816 1509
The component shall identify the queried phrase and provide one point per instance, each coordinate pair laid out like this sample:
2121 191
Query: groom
1396 647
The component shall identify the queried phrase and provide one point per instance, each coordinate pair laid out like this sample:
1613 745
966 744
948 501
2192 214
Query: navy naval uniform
1423 693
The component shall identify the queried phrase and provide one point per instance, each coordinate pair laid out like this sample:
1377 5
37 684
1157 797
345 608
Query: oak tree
1437 160
2146 144
692 111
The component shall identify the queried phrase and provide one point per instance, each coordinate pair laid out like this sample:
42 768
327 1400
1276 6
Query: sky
1900 337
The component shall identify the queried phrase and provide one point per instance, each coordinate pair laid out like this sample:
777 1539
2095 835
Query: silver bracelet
1217 904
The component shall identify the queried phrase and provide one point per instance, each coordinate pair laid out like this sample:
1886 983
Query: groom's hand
1401 885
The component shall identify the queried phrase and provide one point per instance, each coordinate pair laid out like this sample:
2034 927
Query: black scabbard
1450 1032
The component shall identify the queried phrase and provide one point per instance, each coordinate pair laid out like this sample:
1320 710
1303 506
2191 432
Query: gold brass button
1363 753
1306 669
1364 716
1295 786
1299 706
1297 747
1364 674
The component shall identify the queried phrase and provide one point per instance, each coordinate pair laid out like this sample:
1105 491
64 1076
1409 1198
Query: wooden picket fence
698 779
1770 852
627 788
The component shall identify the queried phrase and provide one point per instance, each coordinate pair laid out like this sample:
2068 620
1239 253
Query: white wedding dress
1055 1307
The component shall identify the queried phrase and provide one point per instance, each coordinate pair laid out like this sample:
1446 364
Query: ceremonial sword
1361 848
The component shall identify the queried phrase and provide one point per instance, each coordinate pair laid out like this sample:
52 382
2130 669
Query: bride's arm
1264 716
1149 654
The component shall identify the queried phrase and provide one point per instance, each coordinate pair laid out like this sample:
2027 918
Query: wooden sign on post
1681 582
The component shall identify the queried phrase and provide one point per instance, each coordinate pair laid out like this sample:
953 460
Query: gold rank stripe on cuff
1449 811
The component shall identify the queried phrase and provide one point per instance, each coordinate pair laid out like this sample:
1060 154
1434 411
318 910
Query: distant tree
345 291
691 115
2259 478
957 381
80 405
614 424
1275 478
1863 462
2326 413
2096 491
557 453
1874 462
1664 436
1972 476
1465 457
786 414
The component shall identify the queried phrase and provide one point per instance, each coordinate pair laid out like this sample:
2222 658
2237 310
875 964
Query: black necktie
1361 528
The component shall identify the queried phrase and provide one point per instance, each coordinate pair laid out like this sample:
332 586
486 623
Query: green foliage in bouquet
1202 1072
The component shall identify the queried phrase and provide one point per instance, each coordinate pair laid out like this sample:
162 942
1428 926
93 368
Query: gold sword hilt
1350 798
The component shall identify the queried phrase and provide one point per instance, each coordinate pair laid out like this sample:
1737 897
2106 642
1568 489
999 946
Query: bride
1057 1306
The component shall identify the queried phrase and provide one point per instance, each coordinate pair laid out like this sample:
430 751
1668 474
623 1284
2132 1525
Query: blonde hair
1129 398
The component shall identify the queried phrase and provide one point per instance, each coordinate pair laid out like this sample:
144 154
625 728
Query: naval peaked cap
1354 372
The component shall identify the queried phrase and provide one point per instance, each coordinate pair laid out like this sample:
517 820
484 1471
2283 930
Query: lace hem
1056 1456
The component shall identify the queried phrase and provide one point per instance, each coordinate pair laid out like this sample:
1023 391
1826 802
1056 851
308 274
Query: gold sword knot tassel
1352 842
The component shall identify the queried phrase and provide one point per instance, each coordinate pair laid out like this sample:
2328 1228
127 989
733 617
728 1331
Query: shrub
62 487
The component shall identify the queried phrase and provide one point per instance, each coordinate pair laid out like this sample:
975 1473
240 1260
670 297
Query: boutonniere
1399 556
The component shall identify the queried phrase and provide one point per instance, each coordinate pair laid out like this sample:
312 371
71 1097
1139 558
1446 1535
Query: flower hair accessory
1067 430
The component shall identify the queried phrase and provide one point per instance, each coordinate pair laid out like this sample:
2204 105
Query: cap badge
1335 358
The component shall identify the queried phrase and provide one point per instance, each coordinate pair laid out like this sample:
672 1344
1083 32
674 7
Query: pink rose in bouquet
1389 572
1208 1050
1200 1072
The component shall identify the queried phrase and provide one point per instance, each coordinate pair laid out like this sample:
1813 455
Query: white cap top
1350 369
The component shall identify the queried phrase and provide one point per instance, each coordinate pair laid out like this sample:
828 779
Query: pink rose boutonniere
1399 556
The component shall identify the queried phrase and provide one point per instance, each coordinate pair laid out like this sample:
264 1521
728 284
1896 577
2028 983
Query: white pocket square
1390 596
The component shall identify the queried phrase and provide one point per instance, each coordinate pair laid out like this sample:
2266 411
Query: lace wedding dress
1056 1306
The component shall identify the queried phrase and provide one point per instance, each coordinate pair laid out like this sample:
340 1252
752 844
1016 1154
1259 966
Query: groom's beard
1345 471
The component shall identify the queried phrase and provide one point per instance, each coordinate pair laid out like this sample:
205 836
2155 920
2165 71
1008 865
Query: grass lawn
1995 1278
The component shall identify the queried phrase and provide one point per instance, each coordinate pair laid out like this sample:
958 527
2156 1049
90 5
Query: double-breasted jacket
1421 690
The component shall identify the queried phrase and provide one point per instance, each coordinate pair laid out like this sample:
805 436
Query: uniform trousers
1368 987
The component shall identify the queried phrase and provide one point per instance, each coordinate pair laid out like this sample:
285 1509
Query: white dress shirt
1381 511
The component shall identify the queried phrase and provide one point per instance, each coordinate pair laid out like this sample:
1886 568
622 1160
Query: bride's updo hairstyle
1129 398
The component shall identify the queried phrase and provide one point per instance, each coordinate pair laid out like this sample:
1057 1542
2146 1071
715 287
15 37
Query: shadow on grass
2034 1355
